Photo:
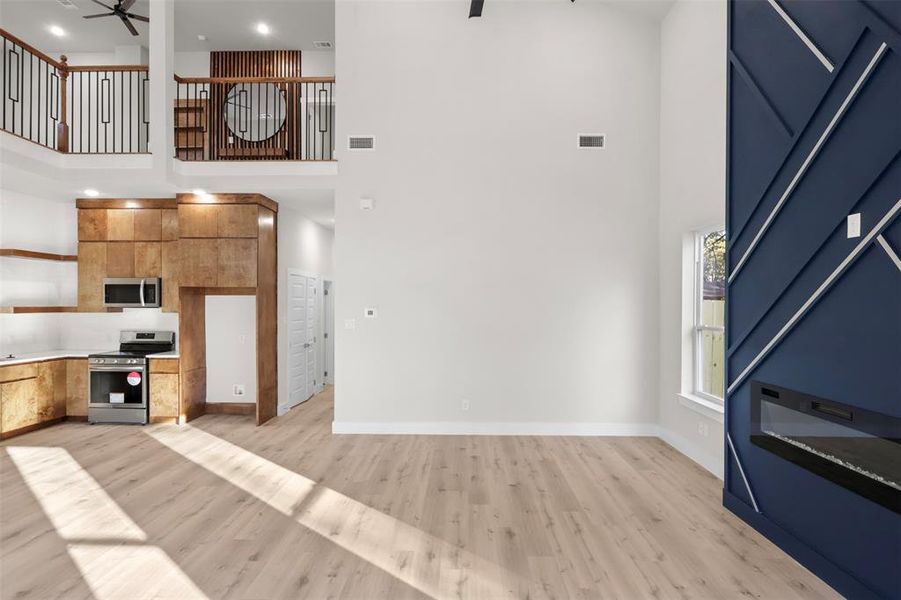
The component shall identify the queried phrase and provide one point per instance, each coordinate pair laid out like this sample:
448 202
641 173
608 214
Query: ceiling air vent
592 140
322 45
361 142
67 3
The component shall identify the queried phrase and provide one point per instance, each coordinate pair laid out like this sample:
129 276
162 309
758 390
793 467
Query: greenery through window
710 314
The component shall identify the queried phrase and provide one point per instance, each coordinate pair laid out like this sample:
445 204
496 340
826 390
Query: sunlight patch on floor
73 501
431 565
104 543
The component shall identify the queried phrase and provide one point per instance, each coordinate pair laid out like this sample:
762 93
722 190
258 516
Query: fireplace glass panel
871 456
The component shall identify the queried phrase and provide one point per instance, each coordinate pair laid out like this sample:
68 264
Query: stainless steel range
118 388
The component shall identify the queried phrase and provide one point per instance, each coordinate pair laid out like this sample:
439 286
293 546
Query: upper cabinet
214 243
126 238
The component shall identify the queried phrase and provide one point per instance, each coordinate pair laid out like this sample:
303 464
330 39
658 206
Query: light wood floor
223 509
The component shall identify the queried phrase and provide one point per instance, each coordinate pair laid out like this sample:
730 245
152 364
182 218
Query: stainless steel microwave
132 292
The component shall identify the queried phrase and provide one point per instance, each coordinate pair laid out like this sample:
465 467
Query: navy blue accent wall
783 246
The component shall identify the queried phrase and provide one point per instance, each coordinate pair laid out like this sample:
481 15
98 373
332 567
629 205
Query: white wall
509 268
692 196
231 348
308 247
313 63
33 223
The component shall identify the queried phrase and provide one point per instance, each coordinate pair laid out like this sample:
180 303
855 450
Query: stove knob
133 361
99 361
115 361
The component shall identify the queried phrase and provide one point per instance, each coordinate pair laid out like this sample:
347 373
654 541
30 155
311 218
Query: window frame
698 327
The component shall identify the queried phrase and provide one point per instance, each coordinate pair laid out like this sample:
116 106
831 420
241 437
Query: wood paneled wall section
255 63
233 227
267 322
192 349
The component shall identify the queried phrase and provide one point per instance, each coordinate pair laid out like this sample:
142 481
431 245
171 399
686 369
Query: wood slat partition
242 64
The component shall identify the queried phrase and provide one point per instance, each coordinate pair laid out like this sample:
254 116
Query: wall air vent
592 140
361 142
67 3
322 45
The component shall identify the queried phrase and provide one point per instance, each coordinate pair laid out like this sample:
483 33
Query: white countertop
59 354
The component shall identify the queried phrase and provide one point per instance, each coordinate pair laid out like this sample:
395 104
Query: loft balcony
255 118
86 109
254 107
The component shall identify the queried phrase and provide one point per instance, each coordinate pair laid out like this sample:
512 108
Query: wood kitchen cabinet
77 388
148 259
91 271
170 267
198 260
163 389
237 264
198 220
148 224
32 395
120 224
169 224
120 259
237 220
92 225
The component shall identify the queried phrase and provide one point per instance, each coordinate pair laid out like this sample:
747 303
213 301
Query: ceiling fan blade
138 17
100 15
128 25
124 5
475 9
103 5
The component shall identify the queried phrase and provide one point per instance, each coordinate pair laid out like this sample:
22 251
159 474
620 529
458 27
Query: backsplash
28 333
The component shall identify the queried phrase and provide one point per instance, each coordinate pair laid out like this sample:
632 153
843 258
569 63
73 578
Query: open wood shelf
19 253
15 310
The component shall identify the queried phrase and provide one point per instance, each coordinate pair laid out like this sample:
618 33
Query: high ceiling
227 24
31 20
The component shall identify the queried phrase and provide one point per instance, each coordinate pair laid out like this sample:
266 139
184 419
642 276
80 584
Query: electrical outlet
350 323
237 390
464 405
854 226
371 313
242 339
703 429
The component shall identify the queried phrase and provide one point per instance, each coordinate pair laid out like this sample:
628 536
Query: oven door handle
116 368
142 291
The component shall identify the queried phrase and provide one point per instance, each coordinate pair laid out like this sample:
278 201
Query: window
710 313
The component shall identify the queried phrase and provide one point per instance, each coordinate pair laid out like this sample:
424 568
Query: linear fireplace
855 448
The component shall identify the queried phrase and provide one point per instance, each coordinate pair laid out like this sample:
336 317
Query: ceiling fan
475 7
120 10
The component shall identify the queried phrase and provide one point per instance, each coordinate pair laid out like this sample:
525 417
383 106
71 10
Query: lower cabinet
163 389
31 395
77 388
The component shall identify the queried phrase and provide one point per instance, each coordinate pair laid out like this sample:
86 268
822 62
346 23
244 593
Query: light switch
350 323
854 226
366 204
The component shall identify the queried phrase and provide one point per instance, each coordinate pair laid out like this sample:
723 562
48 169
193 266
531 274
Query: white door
302 337
311 345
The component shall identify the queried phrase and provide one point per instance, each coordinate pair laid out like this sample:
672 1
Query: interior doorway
304 337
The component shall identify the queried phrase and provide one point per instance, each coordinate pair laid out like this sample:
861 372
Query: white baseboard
714 464
495 428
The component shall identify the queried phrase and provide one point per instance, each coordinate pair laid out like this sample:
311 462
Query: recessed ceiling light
262 28
201 37
57 30
91 193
